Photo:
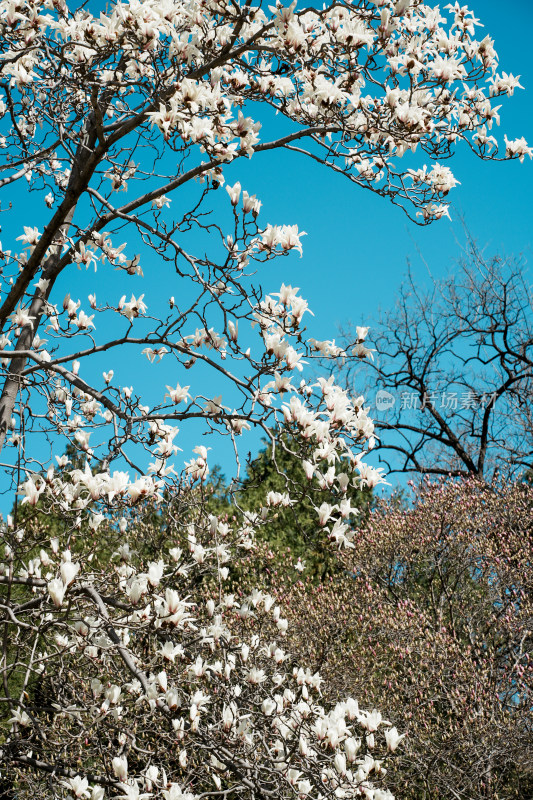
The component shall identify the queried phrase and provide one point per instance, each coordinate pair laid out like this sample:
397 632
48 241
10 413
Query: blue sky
357 244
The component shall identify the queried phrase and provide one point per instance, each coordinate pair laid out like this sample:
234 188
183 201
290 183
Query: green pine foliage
295 528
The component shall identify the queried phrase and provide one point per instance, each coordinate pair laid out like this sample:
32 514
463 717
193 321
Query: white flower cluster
215 682
431 63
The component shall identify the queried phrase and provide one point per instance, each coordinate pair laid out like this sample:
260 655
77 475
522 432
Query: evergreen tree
294 527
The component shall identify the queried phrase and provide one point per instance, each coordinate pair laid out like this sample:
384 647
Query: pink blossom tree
431 619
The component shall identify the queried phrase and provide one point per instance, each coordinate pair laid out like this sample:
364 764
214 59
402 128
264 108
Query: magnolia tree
160 690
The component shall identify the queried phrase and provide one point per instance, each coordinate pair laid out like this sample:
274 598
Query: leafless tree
451 377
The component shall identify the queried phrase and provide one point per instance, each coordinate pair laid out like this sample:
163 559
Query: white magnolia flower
78 786
30 236
56 590
131 791
393 738
120 767
69 570
179 394
133 308
20 718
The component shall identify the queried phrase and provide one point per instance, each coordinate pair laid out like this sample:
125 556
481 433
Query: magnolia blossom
120 767
133 308
78 786
69 571
178 395
56 589
234 193
393 738
31 491
30 236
